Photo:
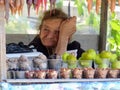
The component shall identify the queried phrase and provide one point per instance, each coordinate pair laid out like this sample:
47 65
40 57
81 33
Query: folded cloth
17 48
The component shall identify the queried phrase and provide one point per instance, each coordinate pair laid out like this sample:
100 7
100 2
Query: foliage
80 6
91 19
94 20
17 25
114 39
59 4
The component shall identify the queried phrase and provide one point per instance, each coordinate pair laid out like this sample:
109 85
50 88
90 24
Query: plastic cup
54 64
20 74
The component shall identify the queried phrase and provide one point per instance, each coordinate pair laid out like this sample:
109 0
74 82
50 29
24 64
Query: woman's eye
46 30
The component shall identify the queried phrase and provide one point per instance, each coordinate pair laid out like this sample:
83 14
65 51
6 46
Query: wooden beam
103 25
3 74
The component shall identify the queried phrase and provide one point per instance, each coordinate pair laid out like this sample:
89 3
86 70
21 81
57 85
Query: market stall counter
64 79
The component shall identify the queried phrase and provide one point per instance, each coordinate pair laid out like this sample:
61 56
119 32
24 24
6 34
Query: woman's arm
67 29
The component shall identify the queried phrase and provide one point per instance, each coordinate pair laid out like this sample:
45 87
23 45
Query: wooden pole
3 71
103 25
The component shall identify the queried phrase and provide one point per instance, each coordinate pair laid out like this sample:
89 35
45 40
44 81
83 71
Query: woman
56 30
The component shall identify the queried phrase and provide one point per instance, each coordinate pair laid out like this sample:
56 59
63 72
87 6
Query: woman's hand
68 27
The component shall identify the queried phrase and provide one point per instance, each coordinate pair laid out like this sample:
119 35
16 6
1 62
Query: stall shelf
15 81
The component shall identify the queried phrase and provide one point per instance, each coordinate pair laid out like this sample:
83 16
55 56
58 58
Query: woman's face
49 32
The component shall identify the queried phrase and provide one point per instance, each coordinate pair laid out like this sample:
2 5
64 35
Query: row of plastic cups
66 73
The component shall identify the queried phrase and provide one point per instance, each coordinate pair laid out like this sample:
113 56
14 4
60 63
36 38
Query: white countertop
16 55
